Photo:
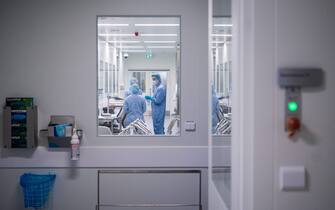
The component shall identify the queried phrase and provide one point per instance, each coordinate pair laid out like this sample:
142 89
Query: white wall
48 51
305 37
288 33
77 188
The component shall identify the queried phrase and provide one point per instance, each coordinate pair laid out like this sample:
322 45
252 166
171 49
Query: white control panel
292 178
190 126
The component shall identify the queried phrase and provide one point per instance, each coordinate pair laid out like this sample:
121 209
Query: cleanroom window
138 76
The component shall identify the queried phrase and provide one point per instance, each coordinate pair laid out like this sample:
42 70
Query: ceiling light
151 47
225 35
129 47
153 24
159 41
223 25
116 35
134 51
123 41
158 34
113 24
218 42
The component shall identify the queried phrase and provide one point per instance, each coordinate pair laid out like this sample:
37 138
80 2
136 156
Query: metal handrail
147 171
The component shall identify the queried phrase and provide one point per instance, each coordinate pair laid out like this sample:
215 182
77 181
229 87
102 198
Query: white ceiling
222 31
120 32
161 38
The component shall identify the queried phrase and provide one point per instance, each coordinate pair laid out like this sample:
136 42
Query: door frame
243 124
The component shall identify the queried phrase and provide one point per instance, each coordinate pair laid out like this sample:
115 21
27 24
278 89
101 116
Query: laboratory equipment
224 126
137 127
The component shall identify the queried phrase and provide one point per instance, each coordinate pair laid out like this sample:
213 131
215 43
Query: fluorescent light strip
129 47
140 35
116 35
116 42
218 42
112 24
223 25
225 35
159 41
153 24
158 34
158 47
135 51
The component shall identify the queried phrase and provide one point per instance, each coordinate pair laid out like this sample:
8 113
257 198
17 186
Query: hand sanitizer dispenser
75 152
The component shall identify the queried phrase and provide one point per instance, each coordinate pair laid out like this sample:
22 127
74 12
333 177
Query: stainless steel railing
149 205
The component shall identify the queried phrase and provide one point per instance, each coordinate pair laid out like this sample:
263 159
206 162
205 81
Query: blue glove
148 97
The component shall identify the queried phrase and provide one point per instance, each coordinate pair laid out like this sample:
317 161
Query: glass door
220 71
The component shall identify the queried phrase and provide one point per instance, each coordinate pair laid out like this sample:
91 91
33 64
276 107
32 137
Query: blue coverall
158 104
134 108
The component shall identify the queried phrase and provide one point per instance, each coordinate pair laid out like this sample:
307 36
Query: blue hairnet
157 76
134 89
133 81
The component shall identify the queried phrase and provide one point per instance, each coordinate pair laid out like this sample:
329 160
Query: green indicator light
292 106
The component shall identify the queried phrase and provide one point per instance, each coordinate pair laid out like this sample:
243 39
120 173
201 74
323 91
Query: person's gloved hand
148 97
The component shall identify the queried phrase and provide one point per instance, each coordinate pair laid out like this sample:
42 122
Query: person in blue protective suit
158 104
134 106
131 82
215 109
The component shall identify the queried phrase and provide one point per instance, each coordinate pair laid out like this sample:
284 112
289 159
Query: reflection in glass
221 75
138 75
221 55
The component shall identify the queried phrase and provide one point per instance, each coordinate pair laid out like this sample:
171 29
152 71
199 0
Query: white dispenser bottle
75 153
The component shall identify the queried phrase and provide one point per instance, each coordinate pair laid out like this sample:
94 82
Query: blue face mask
155 82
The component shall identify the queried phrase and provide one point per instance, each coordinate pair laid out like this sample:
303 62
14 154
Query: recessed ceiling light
151 47
223 25
159 41
135 51
116 35
153 24
225 35
124 41
158 34
113 24
129 47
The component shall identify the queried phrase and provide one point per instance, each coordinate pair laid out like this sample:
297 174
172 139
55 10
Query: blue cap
157 76
133 81
134 89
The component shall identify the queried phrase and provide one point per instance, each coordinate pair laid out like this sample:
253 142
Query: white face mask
155 82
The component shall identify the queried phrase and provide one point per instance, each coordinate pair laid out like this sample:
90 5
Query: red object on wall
293 125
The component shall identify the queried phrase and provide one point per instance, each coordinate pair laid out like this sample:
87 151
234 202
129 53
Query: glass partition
138 74
221 86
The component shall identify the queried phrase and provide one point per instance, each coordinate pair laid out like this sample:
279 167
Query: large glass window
138 75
